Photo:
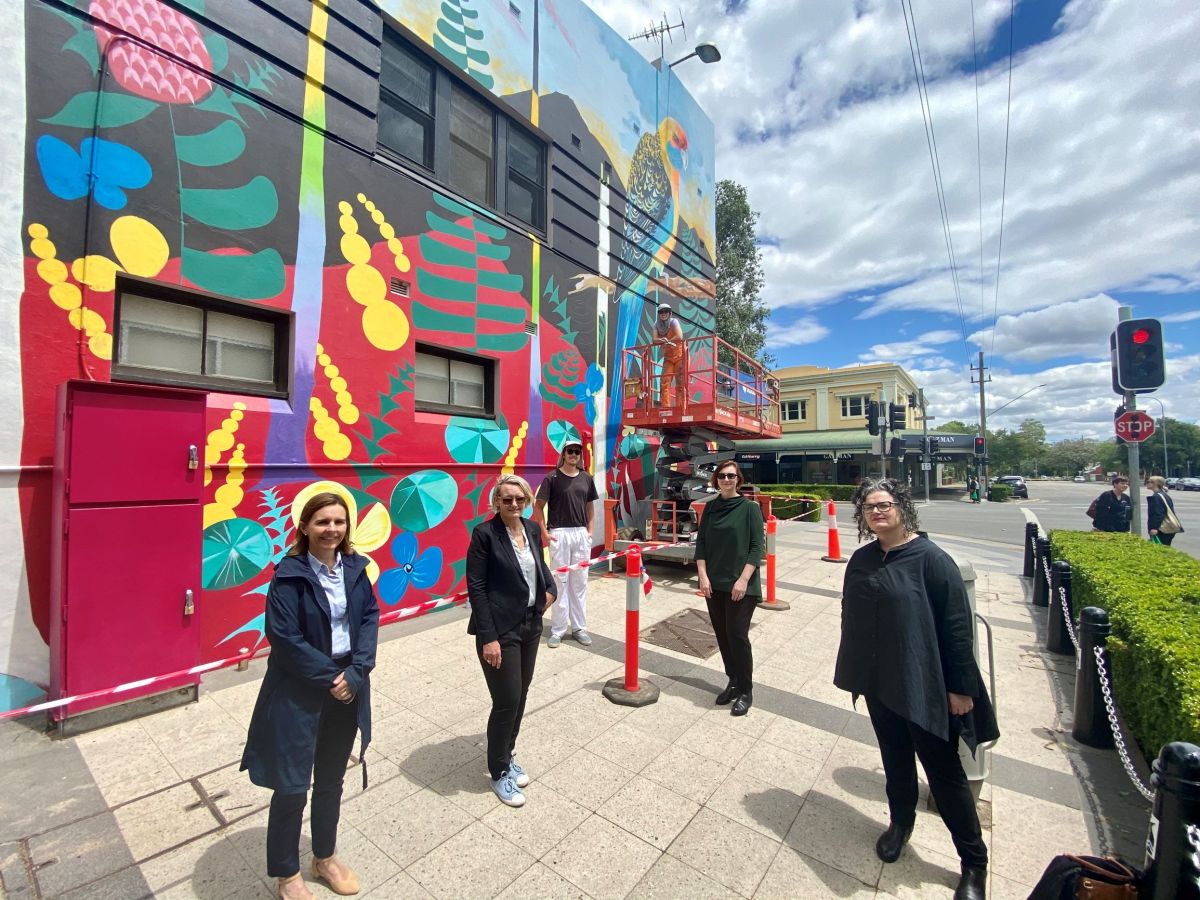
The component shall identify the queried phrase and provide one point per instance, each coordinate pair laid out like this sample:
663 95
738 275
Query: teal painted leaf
115 110
423 499
218 101
218 51
234 552
252 205
250 276
217 147
83 42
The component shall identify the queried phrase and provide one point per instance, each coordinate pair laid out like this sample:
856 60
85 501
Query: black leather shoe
726 696
972 885
742 705
892 841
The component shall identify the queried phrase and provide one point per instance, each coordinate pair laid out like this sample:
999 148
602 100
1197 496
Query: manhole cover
688 631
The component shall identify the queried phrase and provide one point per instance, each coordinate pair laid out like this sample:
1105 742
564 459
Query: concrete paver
676 799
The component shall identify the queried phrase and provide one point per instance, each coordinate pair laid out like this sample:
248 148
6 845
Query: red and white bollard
835 543
773 602
628 691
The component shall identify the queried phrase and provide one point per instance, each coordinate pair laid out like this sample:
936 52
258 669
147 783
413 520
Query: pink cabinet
127 539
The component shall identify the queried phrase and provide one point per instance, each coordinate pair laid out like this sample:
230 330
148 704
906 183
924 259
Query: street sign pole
925 467
1135 452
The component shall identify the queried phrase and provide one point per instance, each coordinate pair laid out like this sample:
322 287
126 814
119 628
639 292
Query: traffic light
873 416
979 449
897 417
1138 352
1117 413
897 447
912 401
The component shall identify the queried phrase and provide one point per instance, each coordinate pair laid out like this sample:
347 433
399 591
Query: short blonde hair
526 490
1157 482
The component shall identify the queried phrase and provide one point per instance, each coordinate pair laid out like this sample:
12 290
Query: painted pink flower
142 71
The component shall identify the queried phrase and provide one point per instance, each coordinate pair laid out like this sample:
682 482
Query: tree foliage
741 312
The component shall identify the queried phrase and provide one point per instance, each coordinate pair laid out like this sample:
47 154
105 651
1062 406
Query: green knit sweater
731 535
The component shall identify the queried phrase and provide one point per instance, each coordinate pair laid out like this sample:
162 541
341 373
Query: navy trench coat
282 740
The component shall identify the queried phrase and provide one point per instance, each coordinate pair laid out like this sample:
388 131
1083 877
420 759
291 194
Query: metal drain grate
688 631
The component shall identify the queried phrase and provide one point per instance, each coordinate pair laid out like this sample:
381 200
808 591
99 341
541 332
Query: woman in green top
729 549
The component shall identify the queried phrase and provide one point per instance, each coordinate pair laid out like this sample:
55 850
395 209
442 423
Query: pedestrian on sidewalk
322 620
571 494
908 647
1112 510
973 488
1161 520
509 586
729 550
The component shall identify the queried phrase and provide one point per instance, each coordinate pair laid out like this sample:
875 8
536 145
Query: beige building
812 398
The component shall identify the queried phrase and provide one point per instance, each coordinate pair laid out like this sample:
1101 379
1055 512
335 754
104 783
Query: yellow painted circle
52 271
324 359
101 345
237 415
348 413
238 404
355 249
396 246
345 208
229 425
42 248
338 383
518 443
211 454
369 204
385 326
402 263
362 198
139 246
38 230
366 285
315 404
348 224
325 429
222 440
228 495
331 371
98 272
386 231
66 295
377 216
337 448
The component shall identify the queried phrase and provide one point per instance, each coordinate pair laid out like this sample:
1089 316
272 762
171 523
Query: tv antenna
662 31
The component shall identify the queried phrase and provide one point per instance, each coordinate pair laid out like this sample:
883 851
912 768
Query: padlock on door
189 603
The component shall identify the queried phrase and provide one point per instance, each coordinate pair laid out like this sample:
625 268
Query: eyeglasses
885 506
727 476
513 501
574 452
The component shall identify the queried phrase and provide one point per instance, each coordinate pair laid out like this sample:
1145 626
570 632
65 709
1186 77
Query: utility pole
883 430
983 466
925 456
1124 314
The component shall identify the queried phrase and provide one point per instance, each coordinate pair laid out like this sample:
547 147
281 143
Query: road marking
1031 516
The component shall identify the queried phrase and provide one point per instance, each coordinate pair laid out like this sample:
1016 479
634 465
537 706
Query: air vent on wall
401 287
531 328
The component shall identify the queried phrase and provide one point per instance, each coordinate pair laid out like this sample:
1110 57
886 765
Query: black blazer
495 584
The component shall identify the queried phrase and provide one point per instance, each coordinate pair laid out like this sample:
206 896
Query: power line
1004 183
914 49
978 166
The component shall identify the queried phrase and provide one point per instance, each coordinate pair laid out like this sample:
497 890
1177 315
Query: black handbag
1071 877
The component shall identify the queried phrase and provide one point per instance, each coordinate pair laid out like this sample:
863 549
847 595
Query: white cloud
1189 316
805 330
1078 328
905 351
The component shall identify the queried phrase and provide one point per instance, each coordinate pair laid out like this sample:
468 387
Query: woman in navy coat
323 624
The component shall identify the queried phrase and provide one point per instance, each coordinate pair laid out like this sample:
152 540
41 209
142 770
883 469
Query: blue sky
822 121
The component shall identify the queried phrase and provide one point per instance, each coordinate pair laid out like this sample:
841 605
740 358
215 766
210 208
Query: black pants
509 685
900 744
335 739
1166 538
731 622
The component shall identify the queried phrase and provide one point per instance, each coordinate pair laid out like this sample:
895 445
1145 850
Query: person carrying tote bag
1161 520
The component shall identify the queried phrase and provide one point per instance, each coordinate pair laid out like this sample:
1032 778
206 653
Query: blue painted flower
586 391
112 169
422 570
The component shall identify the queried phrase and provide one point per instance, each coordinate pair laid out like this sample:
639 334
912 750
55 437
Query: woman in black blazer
509 585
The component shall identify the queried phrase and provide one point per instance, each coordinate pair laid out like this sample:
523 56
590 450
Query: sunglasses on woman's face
573 452
727 476
513 501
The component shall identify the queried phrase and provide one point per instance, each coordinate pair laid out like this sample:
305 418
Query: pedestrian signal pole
1134 448
983 466
926 459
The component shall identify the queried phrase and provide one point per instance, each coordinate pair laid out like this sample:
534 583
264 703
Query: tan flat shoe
294 888
340 878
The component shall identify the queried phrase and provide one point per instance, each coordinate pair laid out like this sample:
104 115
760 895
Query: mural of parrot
651 223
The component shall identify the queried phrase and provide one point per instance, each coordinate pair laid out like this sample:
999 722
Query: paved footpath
674 800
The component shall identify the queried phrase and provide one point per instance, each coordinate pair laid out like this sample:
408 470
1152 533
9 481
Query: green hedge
820 491
999 493
1152 595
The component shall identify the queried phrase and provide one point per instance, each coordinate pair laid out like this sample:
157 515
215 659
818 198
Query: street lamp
707 52
1163 410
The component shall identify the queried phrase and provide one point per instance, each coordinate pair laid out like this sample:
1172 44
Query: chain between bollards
1118 740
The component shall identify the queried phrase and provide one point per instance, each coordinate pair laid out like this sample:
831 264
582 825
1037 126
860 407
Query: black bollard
1058 638
1173 844
1031 534
1091 724
1040 568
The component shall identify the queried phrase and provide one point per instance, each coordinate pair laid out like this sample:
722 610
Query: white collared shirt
335 592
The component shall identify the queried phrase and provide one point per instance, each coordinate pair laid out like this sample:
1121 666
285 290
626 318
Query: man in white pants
571 494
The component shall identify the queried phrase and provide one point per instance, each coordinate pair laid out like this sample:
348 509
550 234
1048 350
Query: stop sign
1134 426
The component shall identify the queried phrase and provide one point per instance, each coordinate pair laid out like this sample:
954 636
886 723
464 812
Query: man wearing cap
571 494
668 334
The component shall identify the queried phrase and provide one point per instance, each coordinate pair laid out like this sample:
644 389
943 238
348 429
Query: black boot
742 704
726 696
892 841
972 885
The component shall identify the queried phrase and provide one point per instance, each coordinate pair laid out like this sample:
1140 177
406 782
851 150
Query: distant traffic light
979 448
873 416
1139 358
897 447
912 401
897 416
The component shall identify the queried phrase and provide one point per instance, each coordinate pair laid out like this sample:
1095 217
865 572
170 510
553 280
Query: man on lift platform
668 334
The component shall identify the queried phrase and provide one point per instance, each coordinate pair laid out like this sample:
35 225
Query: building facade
399 245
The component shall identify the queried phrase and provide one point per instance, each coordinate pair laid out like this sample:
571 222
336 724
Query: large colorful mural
159 145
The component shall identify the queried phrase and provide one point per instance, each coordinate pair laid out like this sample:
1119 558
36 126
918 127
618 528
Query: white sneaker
554 641
506 790
583 637
519 776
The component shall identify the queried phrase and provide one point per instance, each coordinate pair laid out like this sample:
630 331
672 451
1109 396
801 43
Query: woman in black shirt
908 647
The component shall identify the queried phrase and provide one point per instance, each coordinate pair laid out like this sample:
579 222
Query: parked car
1017 483
1188 484
1079 479
1171 483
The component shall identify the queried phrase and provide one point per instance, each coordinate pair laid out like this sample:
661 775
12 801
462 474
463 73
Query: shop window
454 383
168 335
794 410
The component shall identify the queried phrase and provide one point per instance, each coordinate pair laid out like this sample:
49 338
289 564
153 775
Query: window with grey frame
428 116
173 336
454 383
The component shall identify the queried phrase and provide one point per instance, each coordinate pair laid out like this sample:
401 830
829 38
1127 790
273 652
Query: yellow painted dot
324 359
325 429
86 320
338 383
42 248
403 264
101 345
215 512
348 224
314 404
211 455
343 397
370 205
345 208
66 295
337 448
517 443
222 440
238 404
366 285
139 246
377 216
228 495
38 230
331 371
396 247
355 249
97 272
229 425
385 326
52 271
348 414
237 415
386 231
362 198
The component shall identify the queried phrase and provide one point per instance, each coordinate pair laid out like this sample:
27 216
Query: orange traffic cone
835 543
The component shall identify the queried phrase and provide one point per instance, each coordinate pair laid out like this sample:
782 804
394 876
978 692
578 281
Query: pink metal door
128 532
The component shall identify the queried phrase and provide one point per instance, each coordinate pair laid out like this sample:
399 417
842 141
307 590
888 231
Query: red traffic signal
1138 358
979 449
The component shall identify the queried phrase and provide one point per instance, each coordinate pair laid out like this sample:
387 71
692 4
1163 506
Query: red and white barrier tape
409 612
